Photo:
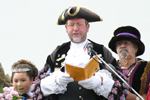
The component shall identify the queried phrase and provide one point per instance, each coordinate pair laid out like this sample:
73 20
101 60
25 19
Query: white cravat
77 55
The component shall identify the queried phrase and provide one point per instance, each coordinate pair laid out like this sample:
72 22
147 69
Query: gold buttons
80 97
80 88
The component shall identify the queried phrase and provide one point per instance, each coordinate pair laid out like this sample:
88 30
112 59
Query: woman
23 75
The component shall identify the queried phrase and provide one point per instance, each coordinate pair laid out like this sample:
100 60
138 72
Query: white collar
29 92
77 54
79 45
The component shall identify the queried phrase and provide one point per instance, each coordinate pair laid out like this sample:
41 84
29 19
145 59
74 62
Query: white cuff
108 82
49 85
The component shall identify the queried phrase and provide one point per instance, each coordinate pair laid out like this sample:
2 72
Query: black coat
74 90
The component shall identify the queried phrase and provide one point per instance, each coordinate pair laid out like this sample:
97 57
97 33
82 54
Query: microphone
89 48
110 67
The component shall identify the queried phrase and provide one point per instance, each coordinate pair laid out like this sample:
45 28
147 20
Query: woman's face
23 80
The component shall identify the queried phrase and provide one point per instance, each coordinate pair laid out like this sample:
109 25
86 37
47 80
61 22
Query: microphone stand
95 53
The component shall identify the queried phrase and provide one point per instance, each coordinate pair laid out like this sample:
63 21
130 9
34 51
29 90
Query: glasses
73 25
126 43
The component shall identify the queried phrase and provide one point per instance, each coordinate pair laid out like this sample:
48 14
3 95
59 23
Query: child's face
23 80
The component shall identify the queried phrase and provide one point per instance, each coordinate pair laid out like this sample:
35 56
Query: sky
28 28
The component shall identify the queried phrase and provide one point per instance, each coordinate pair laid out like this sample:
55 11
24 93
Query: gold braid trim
144 80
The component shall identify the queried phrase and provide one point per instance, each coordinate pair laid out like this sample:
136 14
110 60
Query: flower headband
20 70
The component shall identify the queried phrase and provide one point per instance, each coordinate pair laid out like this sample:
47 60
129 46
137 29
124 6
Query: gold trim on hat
63 17
75 13
101 19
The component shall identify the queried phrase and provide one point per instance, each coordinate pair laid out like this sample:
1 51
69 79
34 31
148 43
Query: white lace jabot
77 55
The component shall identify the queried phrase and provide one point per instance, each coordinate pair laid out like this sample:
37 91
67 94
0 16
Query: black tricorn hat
127 33
78 12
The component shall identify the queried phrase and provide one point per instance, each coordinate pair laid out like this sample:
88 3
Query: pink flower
8 93
2 99
14 93
8 96
6 89
1 95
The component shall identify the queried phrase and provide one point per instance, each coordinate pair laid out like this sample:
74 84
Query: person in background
127 43
23 75
58 85
148 93
4 79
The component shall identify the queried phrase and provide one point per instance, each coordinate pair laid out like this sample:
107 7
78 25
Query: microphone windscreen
90 46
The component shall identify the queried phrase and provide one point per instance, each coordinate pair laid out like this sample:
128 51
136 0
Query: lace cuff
108 82
50 86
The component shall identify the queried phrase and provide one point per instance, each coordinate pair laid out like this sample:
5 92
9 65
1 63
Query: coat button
80 97
80 88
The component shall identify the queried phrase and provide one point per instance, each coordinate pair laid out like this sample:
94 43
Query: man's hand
91 83
63 78
131 96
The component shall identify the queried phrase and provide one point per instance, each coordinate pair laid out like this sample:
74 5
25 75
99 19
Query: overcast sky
28 28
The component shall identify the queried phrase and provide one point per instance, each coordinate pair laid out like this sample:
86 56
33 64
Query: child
23 74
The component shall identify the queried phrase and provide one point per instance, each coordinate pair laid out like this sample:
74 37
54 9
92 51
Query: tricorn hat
127 33
78 12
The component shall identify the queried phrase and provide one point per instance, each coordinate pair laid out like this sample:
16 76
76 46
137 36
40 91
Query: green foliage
19 86
1 88
15 97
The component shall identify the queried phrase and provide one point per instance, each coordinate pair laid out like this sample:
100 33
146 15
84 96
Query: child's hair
21 65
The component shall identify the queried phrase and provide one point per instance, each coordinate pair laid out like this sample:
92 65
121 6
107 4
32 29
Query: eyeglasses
73 25
126 43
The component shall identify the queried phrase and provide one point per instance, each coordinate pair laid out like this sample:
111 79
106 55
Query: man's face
77 30
126 48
